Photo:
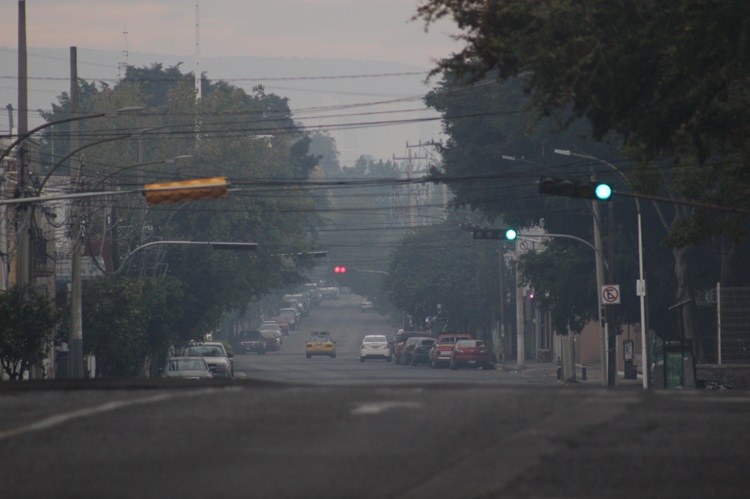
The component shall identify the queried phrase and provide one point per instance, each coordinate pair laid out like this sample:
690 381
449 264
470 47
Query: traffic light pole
599 284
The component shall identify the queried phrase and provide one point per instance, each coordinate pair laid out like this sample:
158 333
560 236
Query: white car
375 346
272 327
219 361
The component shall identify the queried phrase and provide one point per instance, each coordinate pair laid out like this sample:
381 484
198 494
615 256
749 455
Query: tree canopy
251 139
28 324
663 82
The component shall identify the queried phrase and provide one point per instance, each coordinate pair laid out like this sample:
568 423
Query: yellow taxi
320 343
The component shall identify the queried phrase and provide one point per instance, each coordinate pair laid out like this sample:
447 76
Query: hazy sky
363 30
356 29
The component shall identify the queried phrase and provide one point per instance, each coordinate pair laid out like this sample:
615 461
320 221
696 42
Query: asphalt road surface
291 427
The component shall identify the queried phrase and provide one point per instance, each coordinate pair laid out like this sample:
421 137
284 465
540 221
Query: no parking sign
611 294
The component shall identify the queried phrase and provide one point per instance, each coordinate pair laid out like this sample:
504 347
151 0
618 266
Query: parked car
186 368
215 354
367 306
397 342
291 316
252 342
314 293
328 290
320 343
272 327
283 325
272 340
374 346
416 350
440 355
470 353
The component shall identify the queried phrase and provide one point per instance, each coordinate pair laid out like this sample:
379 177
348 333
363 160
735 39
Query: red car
470 353
441 351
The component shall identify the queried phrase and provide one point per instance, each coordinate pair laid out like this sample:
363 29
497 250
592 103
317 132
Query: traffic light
339 269
187 190
603 192
482 233
574 188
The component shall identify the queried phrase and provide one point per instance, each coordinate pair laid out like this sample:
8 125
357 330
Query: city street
293 427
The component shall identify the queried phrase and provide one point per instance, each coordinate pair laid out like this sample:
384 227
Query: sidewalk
548 371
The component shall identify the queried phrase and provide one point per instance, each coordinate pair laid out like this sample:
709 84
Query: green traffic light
510 234
603 192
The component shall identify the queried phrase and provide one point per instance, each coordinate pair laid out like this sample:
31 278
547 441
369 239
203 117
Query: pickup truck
440 355
329 292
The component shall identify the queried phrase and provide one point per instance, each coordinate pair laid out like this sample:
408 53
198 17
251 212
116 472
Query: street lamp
641 285
31 132
86 146
150 163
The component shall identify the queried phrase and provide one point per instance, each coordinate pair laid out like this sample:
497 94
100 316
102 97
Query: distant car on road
272 340
186 368
320 343
470 353
367 306
417 350
272 327
219 361
375 346
440 355
291 316
252 342
397 343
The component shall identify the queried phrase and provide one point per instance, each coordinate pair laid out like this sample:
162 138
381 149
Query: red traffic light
339 269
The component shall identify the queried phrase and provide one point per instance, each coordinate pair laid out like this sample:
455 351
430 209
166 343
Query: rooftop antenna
122 67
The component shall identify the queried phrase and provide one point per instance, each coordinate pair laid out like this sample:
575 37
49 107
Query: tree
666 77
361 223
440 265
248 137
129 321
28 322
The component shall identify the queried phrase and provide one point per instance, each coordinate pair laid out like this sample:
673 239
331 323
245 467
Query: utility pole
75 340
24 212
599 284
612 332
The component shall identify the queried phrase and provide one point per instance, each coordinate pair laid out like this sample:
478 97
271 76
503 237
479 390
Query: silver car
219 362
186 368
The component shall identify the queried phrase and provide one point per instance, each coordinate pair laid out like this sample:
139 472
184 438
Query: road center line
370 408
59 419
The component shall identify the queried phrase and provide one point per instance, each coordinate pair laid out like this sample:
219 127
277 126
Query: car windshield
375 339
469 343
186 364
205 351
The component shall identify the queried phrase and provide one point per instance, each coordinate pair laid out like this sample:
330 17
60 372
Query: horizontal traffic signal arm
186 190
478 232
574 188
508 234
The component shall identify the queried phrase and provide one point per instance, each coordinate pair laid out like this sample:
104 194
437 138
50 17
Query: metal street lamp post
641 284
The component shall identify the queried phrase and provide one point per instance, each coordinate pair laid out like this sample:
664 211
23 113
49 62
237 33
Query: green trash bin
674 365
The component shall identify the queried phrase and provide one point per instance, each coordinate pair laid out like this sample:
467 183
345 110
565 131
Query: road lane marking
370 408
59 419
